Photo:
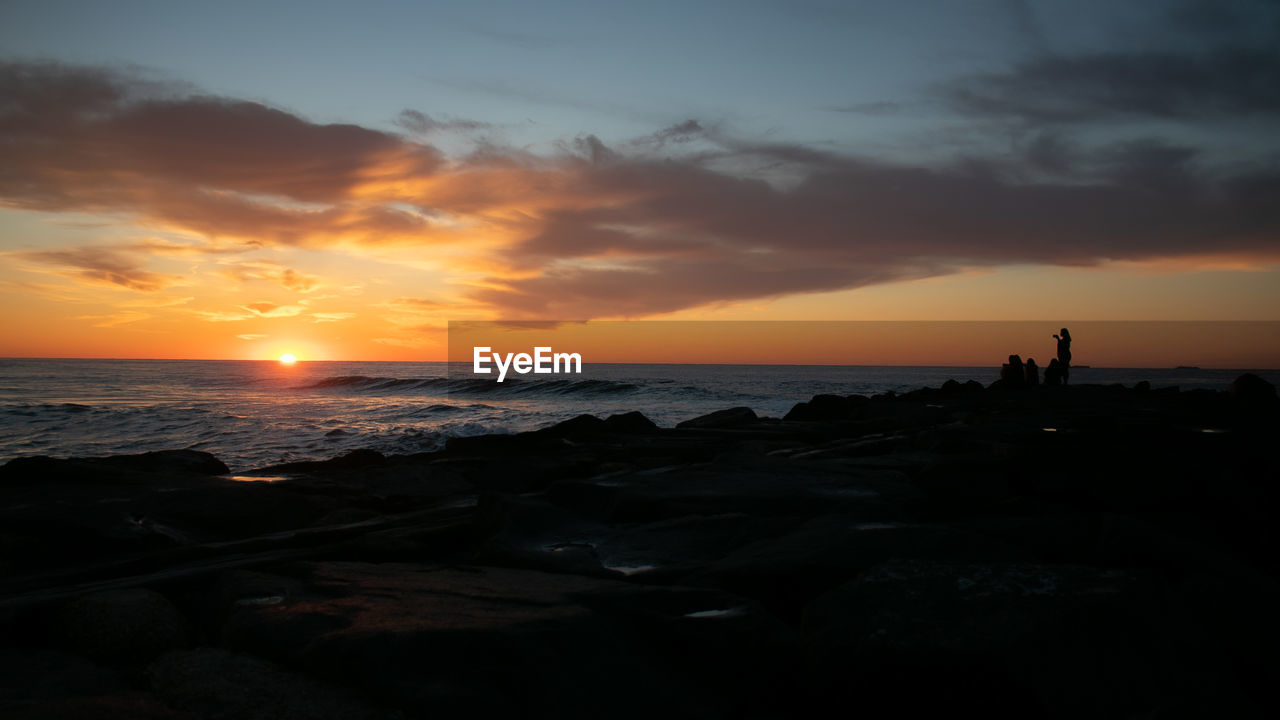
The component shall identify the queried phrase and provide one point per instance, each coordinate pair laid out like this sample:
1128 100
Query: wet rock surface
1036 552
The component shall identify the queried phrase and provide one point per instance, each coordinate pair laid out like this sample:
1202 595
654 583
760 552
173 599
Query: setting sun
288 359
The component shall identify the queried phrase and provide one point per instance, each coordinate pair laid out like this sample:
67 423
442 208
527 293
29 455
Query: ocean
251 414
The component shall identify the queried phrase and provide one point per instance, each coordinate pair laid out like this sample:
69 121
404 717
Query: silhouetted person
1064 353
1012 373
1053 373
1033 373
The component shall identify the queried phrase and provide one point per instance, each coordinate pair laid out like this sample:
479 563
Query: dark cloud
74 138
882 107
1024 21
424 124
1227 81
1049 152
681 132
1207 16
651 225
102 266
688 236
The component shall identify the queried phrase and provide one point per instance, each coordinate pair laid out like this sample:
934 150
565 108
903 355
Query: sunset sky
244 179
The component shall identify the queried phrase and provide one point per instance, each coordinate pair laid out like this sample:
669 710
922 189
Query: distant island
1187 367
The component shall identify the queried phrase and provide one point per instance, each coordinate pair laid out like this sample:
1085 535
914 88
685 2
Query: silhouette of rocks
481 640
965 631
827 408
721 419
125 625
215 683
1252 391
114 469
1053 552
632 422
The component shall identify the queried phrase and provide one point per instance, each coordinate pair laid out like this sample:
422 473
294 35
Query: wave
513 387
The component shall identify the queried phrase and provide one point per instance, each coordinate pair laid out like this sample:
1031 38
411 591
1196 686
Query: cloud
1222 82
272 310
76 138
420 304
654 224
881 107
331 317
102 266
224 316
669 235
116 319
424 124
251 336
285 277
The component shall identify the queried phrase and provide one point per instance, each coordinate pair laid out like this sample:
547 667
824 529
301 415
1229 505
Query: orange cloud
686 217
102 266
272 310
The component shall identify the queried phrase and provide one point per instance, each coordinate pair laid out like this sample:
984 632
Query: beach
1056 552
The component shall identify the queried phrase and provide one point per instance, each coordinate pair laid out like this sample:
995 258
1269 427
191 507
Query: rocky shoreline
1044 552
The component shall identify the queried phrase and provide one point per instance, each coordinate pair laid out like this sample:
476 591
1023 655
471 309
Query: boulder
721 419
213 683
122 626
1251 391
633 422
466 641
191 462
1020 639
825 408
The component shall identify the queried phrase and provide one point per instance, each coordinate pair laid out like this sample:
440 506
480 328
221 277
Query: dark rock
355 460
826 408
632 422
469 641
787 572
575 426
1252 391
117 468
124 705
215 683
129 625
32 677
530 533
237 589
678 546
721 419
192 462
1019 638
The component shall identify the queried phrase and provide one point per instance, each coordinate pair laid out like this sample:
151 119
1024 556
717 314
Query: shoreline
909 552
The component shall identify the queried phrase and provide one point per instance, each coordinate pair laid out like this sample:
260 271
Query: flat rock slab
787 572
212 683
431 639
1023 639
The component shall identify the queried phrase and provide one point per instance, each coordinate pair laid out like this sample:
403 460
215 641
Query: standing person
1064 353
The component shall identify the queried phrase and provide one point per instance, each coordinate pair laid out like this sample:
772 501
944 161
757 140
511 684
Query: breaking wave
512 387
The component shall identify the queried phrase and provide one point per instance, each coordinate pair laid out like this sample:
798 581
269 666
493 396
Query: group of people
1015 373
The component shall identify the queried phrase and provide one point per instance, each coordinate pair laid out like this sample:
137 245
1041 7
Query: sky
243 179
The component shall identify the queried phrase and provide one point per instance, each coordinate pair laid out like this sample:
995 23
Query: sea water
251 414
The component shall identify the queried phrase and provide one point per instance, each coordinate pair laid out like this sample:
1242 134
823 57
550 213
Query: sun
288 359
